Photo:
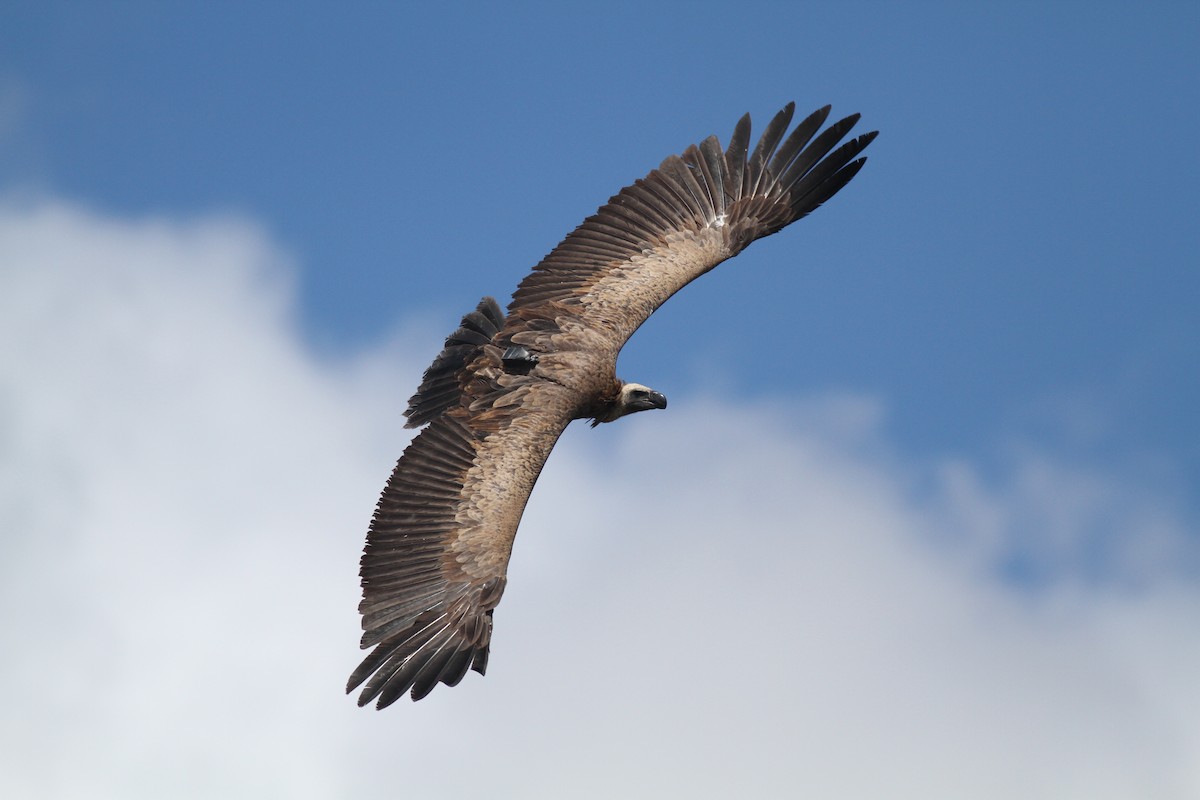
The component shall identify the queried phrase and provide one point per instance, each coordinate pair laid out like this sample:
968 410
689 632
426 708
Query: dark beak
656 400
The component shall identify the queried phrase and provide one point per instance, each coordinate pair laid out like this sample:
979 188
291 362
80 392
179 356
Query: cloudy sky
922 520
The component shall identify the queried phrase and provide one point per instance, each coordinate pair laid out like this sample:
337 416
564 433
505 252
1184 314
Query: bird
497 397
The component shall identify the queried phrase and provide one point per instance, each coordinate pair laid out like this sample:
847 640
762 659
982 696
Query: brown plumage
504 388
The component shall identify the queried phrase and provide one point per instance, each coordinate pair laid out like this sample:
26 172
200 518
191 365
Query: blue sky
1022 244
956 405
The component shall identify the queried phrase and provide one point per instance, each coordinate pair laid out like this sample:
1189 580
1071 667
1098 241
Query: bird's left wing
664 231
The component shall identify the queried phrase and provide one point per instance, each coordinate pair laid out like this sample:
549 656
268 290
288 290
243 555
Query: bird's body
504 387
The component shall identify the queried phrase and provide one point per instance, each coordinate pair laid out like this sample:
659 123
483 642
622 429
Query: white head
635 397
632 398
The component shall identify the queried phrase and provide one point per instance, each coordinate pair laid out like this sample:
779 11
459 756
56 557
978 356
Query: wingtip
364 697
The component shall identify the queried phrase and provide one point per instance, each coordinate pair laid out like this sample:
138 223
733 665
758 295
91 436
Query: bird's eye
639 393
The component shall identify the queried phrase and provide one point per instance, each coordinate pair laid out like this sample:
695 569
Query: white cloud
712 601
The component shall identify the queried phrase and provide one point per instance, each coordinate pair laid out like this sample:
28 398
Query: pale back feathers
504 387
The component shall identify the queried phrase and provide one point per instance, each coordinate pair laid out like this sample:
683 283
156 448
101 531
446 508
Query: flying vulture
497 397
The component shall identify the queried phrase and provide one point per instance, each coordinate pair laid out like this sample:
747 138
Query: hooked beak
652 400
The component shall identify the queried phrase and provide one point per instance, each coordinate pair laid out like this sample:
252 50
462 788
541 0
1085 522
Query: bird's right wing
437 553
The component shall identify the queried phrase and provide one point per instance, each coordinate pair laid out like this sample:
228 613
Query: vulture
506 385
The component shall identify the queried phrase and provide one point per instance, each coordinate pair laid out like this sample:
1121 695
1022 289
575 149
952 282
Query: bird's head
632 398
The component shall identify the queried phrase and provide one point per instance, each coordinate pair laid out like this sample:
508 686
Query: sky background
922 520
